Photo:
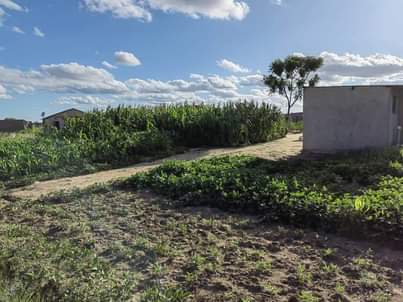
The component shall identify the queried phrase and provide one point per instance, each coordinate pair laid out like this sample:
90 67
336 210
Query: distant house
352 118
58 119
13 125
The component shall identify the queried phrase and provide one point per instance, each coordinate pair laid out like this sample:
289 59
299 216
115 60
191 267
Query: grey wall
49 121
398 120
342 118
11 125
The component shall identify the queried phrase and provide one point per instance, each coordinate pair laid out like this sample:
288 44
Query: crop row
23 156
230 124
125 135
330 198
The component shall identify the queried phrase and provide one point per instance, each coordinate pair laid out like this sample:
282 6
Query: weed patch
44 270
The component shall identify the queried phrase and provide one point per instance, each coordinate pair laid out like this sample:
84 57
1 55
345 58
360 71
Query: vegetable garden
358 195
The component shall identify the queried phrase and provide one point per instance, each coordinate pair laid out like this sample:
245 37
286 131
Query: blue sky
57 54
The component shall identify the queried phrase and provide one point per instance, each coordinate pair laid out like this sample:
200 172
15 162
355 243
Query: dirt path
286 147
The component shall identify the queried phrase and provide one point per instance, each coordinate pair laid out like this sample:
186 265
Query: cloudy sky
57 54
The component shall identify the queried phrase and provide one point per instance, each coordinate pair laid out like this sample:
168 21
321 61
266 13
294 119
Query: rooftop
61 112
359 86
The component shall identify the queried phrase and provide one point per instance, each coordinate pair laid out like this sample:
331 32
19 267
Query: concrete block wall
348 118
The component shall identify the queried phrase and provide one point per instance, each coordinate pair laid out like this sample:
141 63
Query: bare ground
286 147
213 255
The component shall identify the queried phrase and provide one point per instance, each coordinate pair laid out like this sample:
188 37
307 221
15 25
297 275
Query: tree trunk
288 116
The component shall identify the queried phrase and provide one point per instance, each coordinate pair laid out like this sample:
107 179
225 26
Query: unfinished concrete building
352 118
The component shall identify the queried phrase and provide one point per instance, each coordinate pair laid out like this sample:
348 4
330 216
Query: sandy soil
286 147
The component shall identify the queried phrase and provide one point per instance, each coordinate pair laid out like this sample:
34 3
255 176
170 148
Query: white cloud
150 86
231 66
250 80
108 65
94 87
3 93
338 69
37 32
124 9
215 9
219 82
91 86
76 77
299 54
198 88
11 5
201 83
126 58
140 9
83 100
356 69
17 30
2 16
61 78
356 65
277 2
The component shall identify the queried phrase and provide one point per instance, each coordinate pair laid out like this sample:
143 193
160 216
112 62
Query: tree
288 77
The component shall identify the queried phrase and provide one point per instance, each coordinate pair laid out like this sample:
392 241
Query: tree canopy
288 77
